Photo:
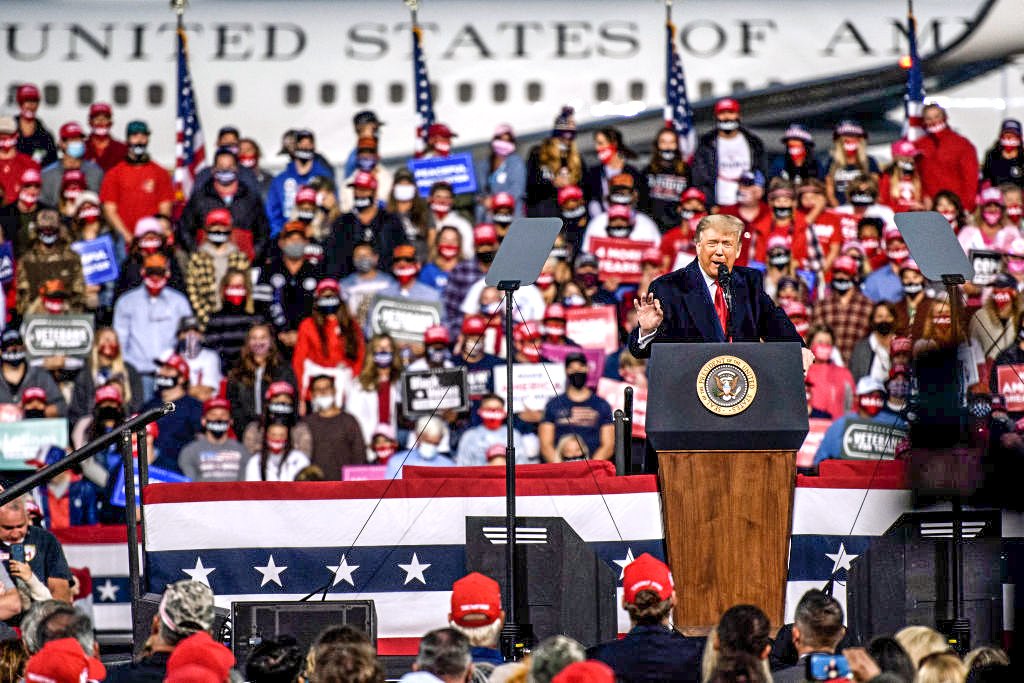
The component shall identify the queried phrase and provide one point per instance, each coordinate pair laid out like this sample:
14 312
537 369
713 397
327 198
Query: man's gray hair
34 617
67 622
444 652
721 222
552 655
431 426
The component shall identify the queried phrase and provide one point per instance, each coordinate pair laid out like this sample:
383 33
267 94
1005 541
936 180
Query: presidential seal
726 385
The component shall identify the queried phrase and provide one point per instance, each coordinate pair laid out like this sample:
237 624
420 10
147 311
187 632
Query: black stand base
516 641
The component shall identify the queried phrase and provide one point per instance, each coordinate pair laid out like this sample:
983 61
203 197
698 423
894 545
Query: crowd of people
249 304
57 645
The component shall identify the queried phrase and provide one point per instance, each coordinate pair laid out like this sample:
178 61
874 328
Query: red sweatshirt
949 162
308 346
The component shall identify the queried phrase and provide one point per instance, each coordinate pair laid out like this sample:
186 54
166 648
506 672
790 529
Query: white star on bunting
414 570
343 572
199 572
270 572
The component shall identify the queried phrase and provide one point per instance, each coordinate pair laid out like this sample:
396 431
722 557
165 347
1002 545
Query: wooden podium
727 500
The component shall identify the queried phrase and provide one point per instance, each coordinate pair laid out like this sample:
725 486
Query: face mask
217 428
34 414
573 214
247 161
871 404
606 154
294 250
366 164
109 349
384 453
328 305
428 450
437 357
1009 142
943 322
259 348
1015 266
822 352
782 212
503 148
27 114
383 359
912 288
491 308
137 151
554 329
687 214
842 286
577 380
53 306
907 167
8 141
404 192
545 280
950 217
442 209
530 353
1002 297
870 246
620 231
442 147
727 126
88 214
218 238
486 256
303 155
560 253
362 203
862 199
28 198
797 152
364 264
503 219
1015 212
155 285
448 251
285 411
49 238
668 154
492 418
225 177
305 215
936 128
851 147
76 149
150 244
624 198
235 295
897 255
101 131
574 301
162 382
322 403
802 327
587 280
779 258
405 273
992 217
277 446
745 197
108 414
13 357
884 328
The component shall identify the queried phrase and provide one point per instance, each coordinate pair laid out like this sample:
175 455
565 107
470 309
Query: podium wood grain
727 519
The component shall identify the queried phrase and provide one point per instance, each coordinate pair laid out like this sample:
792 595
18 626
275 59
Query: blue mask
76 149
366 163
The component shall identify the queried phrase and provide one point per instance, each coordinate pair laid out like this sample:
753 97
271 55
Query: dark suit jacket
690 314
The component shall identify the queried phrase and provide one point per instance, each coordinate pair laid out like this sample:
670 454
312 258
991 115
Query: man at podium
711 299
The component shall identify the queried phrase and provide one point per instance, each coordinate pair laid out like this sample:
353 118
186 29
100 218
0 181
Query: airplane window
155 94
396 92
636 90
534 91
602 91
465 92
225 94
706 89
739 86
11 93
499 91
361 94
120 94
86 94
435 92
328 93
51 94
293 93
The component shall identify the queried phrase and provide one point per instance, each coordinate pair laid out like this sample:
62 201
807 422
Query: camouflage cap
187 607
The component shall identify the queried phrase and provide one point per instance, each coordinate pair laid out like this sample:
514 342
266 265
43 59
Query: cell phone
18 552
822 666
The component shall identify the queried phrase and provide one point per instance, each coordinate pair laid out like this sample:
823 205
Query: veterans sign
866 440
57 335
404 319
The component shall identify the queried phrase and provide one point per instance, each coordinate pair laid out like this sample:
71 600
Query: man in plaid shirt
845 309
468 273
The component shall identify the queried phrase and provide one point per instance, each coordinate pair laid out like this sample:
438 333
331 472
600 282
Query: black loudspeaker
565 588
147 608
904 577
254 622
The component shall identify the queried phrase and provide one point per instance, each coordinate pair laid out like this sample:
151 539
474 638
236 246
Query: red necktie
722 310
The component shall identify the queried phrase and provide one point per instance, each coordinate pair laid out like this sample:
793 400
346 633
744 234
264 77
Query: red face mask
150 243
1002 297
8 141
797 152
448 250
492 418
101 131
871 404
802 326
443 146
851 147
155 285
530 352
248 161
88 213
556 329
442 209
384 453
234 295
1009 142
109 350
1015 212
606 154
950 217
53 306
405 273
822 352
545 280
276 446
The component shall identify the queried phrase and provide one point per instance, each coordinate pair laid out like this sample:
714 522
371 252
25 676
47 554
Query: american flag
190 151
424 98
913 127
678 114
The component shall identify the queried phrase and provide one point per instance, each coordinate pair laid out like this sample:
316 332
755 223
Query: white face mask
322 403
427 450
404 192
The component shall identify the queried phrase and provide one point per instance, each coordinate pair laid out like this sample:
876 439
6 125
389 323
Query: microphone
725 282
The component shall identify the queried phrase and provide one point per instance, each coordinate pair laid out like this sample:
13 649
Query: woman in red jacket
329 342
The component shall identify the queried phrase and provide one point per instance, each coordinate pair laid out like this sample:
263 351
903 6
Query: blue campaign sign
157 475
99 265
6 263
456 169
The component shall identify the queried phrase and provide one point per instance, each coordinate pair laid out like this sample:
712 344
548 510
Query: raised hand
649 315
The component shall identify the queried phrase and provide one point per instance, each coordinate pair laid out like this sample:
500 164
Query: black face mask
577 380
328 305
218 238
163 383
362 203
620 231
884 329
862 199
842 286
437 357
303 155
503 219
217 428
108 414
668 154
34 414
782 212
13 357
574 214
486 256
779 259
